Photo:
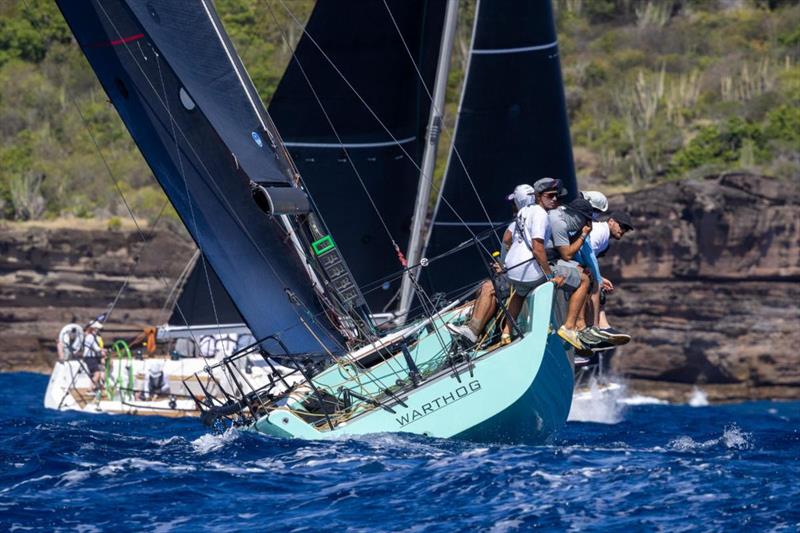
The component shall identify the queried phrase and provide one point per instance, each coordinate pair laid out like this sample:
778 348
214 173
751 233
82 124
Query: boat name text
438 403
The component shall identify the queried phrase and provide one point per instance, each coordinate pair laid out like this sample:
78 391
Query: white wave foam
600 403
639 399
732 438
171 440
209 442
698 398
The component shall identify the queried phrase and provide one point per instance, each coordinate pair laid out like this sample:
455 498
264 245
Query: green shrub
114 224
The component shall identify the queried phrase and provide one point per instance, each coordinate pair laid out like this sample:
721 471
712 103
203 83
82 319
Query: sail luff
417 240
184 107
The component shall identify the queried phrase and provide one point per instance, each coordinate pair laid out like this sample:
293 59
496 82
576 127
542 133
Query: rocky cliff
708 285
50 276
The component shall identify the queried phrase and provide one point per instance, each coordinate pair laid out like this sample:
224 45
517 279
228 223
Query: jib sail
360 39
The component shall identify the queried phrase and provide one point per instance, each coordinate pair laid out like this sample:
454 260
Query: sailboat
190 106
203 327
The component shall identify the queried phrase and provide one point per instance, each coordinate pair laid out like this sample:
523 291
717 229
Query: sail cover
177 83
361 40
512 128
203 300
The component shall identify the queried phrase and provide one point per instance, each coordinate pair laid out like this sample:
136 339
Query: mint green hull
520 393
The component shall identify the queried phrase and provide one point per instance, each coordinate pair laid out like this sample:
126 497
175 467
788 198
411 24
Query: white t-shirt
91 345
599 236
519 259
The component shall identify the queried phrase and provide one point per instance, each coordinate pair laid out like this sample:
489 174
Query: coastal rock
708 287
50 276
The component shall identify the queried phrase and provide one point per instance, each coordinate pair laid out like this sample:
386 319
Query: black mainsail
175 79
360 39
512 128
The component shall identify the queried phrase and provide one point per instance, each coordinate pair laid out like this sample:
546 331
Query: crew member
156 382
526 261
617 225
93 353
489 292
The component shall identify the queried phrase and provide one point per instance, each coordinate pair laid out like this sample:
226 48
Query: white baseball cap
522 195
96 325
597 199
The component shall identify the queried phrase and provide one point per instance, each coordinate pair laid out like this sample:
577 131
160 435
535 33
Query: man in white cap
598 201
156 382
489 292
94 353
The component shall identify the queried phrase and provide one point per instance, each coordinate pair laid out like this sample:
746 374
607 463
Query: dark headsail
361 40
203 300
512 128
175 79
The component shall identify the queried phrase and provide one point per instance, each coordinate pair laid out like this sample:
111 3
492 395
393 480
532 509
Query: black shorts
502 287
92 364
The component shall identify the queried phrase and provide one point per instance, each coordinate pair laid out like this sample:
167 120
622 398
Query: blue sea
660 467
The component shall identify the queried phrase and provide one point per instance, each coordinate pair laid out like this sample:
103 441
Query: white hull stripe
514 50
349 145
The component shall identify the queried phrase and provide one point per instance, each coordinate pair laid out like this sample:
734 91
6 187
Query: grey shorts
524 288
571 272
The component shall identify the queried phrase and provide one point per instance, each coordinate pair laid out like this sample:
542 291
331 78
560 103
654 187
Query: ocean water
659 467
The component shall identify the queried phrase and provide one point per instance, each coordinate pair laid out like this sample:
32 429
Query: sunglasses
552 195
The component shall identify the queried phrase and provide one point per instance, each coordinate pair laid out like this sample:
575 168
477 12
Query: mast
429 159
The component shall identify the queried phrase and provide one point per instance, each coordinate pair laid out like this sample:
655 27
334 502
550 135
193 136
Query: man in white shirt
94 353
617 225
526 261
491 291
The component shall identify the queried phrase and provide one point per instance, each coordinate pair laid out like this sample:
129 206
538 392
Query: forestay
512 128
175 79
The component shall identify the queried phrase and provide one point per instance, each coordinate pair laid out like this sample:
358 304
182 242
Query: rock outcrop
709 285
52 276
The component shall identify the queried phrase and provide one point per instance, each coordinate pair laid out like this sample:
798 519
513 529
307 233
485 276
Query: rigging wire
441 113
371 111
212 183
186 188
429 312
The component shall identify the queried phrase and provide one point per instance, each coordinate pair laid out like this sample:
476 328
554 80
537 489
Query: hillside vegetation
656 90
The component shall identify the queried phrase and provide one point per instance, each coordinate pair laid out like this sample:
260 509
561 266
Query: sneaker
589 337
571 336
462 331
603 346
614 336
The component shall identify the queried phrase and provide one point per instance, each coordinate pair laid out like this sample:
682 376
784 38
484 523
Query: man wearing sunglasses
527 262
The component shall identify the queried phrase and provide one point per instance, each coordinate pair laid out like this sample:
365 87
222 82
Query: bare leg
577 302
594 300
483 309
514 307
603 322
